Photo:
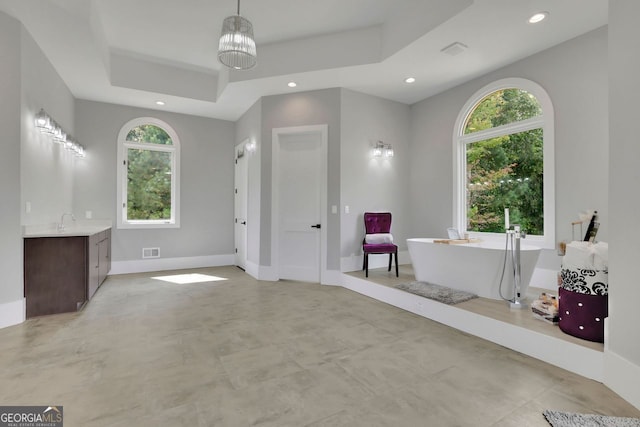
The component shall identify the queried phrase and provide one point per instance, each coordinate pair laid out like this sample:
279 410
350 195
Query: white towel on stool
601 256
378 238
578 255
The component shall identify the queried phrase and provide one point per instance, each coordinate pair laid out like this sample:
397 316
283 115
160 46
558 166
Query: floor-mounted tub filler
513 237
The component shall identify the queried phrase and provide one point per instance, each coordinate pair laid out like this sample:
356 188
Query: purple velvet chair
377 225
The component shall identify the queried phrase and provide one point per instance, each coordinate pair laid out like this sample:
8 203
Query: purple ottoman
582 315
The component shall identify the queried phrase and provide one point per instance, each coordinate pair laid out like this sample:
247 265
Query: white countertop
86 228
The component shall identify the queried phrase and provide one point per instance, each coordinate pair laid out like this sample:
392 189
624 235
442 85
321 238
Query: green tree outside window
505 171
149 175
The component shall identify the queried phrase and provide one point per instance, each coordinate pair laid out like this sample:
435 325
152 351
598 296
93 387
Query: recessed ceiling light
292 84
159 102
410 80
538 17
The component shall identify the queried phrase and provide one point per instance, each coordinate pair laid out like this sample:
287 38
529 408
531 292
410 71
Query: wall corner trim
622 376
12 313
332 278
267 273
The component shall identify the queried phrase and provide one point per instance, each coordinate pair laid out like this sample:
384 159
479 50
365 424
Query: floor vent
150 253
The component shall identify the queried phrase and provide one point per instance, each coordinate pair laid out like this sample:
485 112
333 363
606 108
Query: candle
506 218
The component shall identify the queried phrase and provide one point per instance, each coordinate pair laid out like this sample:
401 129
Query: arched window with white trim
504 159
148 175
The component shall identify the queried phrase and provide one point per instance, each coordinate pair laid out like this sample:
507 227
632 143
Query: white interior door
301 173
240 206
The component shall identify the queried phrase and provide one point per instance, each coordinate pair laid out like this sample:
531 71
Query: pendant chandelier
237 47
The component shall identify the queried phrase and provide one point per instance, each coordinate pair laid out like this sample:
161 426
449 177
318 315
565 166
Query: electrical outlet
88 214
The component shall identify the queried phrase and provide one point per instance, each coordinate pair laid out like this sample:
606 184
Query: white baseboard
252 269
332 277
12 313
354 262
268 273
162 264
622 376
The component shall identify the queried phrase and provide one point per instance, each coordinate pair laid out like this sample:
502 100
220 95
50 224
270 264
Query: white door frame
323 131
241 148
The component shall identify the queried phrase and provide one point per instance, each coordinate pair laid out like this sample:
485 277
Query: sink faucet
61 225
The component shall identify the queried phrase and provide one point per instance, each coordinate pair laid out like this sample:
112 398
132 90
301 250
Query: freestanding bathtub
471 267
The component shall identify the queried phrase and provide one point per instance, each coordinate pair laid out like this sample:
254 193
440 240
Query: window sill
147 225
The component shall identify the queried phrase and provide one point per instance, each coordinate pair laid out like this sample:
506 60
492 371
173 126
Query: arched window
503 147
148 175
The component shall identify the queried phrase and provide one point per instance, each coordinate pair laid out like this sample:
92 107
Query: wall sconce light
381 149
45 124
250 146
377 149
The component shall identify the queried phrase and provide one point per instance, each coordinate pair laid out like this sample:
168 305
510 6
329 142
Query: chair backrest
377 222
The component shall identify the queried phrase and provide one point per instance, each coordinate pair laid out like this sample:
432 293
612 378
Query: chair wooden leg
396 255
390 258
366 265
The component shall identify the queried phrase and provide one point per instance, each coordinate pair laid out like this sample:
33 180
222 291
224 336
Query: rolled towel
578 255
601 256
378 238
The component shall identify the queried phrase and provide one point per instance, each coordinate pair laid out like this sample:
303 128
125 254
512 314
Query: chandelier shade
237 47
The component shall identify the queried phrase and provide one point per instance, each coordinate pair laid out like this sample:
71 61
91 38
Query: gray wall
10 230
249 126
206 181
47 169
302 109
624 290
574 74
367 183
33 168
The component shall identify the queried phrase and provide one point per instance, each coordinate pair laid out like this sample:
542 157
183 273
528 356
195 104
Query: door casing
323 132
241 253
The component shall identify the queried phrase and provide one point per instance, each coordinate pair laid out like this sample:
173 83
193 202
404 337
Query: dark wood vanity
63 272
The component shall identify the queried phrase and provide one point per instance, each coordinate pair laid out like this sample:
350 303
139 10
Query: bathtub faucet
517 231
516 234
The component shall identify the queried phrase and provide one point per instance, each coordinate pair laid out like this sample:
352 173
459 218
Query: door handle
316 226
244 223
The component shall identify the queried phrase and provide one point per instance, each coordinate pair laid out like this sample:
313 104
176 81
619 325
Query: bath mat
568 419
436 292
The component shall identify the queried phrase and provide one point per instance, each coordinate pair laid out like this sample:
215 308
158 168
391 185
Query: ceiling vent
454 48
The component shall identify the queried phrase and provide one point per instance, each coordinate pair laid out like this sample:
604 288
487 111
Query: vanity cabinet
61 273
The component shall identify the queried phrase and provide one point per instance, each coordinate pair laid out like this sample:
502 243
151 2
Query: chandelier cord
238 7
